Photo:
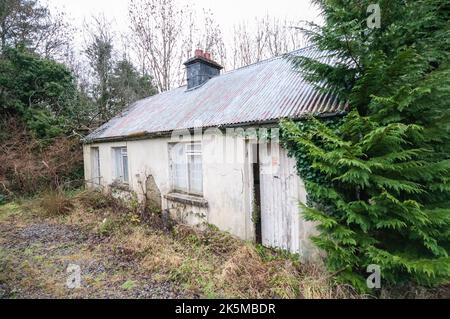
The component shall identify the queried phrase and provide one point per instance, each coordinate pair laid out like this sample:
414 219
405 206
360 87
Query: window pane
118 165
125 168
179 172
186 164
194 148
195 174
179 178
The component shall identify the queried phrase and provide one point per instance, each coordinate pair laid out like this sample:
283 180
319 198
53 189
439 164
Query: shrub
107 227
29 166
56 204
96 199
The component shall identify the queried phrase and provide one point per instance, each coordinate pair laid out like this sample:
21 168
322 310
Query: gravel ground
35 254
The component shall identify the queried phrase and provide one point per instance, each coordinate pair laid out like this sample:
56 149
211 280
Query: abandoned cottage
208 152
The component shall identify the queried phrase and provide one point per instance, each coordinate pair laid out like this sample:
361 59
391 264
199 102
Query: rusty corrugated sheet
261 92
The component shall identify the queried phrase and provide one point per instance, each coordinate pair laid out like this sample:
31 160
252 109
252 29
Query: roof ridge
136 103
246 66
270 59
255 95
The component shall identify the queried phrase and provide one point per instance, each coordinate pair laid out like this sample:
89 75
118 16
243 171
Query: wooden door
280 195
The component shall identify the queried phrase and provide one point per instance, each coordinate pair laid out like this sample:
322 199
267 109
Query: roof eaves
149 135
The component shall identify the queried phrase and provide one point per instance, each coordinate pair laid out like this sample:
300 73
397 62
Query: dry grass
317 283
56 204
97 201
207 263
162 262
244 272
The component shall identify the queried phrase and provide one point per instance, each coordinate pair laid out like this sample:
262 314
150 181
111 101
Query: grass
9 209
128 285
209 263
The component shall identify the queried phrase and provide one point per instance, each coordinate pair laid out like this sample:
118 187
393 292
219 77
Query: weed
208 263
107 227
56 204
273 254
128 285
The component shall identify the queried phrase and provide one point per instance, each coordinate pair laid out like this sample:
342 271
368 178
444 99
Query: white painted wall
224 186
227 183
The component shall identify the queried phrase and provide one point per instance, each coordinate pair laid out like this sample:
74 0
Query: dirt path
35 255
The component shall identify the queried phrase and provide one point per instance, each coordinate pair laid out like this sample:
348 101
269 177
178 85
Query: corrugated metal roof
261 92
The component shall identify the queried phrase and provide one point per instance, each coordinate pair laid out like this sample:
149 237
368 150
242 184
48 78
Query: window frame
119 153
189 151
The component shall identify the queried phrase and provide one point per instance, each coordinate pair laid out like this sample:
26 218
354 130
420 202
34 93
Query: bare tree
157 26
166 35
249 45
282 36
205 34
264 38
211 38
57 38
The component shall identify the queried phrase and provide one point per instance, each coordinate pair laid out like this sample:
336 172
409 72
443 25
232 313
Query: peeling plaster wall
223 183
227 183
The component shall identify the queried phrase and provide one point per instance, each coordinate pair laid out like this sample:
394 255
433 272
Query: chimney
200 69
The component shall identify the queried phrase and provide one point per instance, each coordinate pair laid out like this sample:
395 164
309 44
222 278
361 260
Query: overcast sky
226 12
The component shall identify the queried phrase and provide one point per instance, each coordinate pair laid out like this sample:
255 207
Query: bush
30 166
96 200
107 227
56 204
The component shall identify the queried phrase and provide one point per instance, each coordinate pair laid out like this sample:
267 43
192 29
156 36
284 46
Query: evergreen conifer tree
378 179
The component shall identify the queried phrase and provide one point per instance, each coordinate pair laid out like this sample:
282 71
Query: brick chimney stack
200 69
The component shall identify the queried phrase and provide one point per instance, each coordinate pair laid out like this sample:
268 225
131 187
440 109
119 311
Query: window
95 166
186 167
120 164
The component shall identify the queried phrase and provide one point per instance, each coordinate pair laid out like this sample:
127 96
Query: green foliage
379 179
117 83
127 85
107 227
37 90
128 285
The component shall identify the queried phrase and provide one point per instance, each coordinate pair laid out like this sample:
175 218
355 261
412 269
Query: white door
280 195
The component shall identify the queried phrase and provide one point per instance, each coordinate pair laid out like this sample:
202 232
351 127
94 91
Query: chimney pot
207 55
198 52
